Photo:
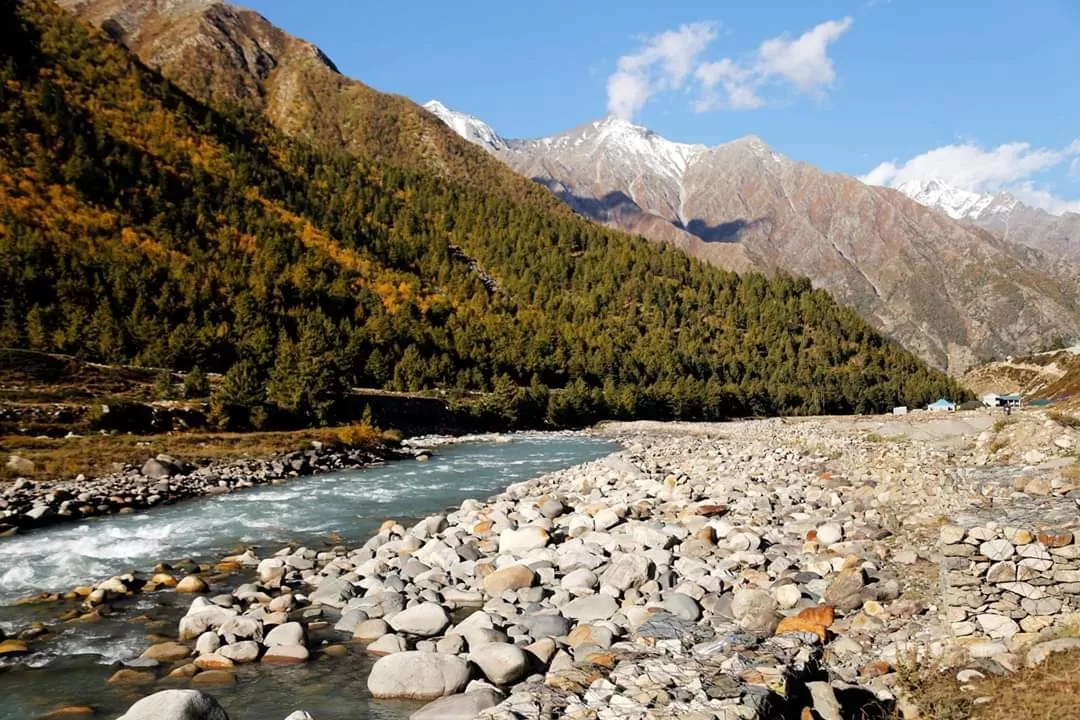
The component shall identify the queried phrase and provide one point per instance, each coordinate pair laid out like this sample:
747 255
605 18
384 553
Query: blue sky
983 94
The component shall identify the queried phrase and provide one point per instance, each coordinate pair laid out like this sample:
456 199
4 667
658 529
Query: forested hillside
138 225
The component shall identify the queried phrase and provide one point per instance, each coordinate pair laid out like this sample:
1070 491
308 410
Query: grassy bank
101 454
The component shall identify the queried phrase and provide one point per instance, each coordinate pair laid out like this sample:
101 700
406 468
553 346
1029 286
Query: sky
984 95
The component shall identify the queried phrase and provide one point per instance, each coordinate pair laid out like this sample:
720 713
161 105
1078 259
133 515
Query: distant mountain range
952 292
1057 235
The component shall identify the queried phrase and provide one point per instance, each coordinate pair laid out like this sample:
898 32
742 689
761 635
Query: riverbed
316 512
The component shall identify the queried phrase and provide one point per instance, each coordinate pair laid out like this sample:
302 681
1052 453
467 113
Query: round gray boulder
176 705
418 675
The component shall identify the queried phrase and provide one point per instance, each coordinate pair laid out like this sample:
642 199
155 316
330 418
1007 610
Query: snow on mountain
621 141
955 202
472 129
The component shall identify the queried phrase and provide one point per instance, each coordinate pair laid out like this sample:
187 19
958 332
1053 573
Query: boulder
387 645
20 465
845 591
501 663
176 705
245 651
158 469
465 706
167 652
514 577
754 611
1038 653
417 675
370 630
333 592
625 571
591 607
521 541
425 620
285 655
192 584
290 633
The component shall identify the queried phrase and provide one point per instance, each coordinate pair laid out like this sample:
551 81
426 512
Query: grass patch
1046 692
1003 422
100 454
877 438
934 690
1068 421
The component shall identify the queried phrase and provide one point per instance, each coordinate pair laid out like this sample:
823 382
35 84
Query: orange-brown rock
1055 538
13 647
798 624
184 671
163 580
712 510
874 669
192 584
214 677
213 661
127 676
483 527
167 652
514 577
822 615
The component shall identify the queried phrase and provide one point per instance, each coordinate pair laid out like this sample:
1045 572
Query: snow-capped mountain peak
472 129
957 203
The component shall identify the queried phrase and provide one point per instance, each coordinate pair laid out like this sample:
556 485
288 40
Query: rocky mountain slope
949 292
1057 235
232 57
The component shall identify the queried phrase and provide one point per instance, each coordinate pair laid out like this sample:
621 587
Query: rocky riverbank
746 570
163 479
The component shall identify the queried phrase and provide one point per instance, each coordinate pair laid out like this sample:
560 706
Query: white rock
501 663
417 676
426 620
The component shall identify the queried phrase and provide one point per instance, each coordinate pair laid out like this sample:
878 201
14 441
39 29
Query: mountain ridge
743 206
1057 234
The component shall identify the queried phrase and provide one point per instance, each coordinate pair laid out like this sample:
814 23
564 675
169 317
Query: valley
319 403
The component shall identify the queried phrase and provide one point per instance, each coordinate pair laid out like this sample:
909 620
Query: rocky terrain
745 570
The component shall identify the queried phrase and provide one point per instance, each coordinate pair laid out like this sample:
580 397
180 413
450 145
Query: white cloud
663 63
736 82
668 60
1007 167
804 61
1074 168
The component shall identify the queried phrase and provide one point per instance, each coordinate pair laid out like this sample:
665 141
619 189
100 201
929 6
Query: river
337 508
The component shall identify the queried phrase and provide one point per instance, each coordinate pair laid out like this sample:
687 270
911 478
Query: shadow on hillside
616 204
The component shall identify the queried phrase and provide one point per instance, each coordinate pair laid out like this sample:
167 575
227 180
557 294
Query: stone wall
1009 579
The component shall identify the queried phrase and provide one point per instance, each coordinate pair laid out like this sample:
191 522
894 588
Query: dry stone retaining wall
1007 581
